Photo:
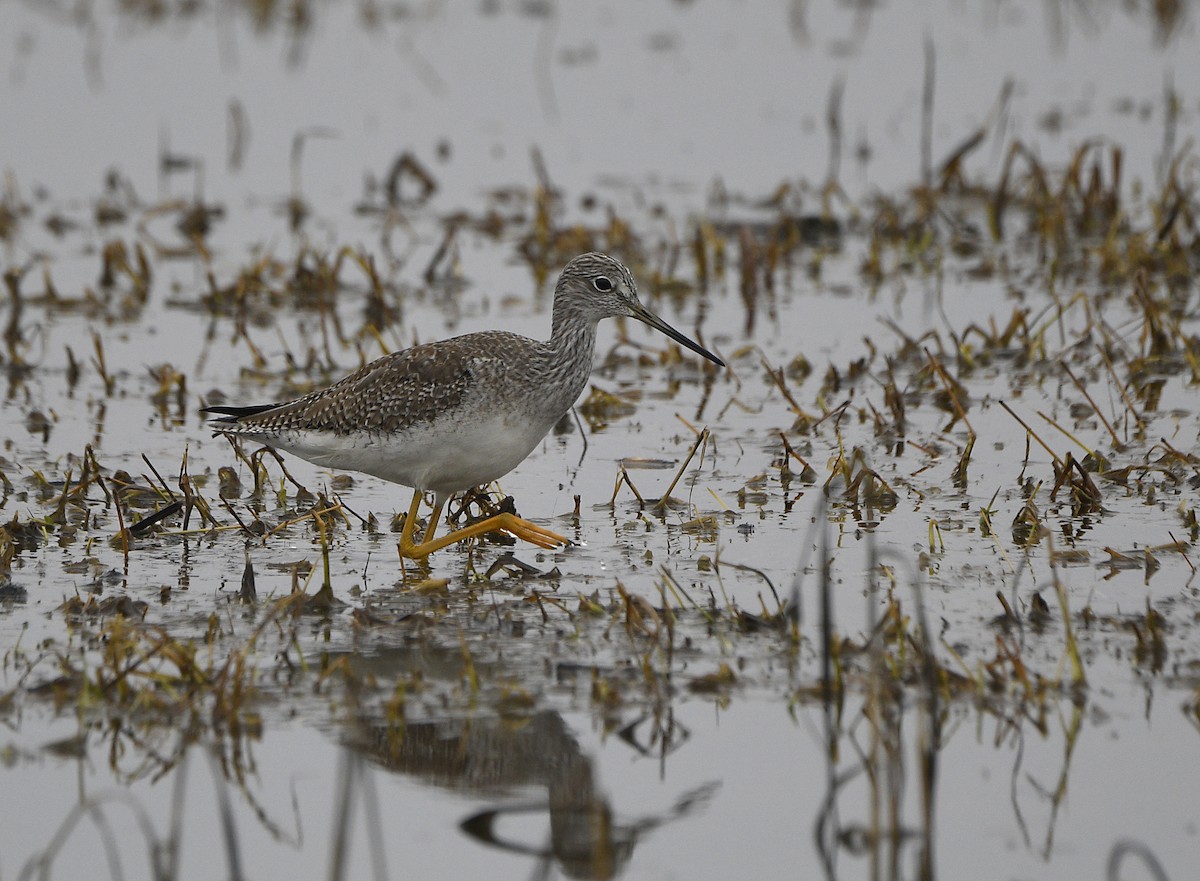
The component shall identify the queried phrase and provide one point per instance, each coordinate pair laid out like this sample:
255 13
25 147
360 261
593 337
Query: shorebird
447 416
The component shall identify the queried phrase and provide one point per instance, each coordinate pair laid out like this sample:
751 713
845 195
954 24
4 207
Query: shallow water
713 804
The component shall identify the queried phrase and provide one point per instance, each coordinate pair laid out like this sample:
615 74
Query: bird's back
395 393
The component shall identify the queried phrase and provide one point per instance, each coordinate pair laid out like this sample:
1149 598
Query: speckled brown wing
389 395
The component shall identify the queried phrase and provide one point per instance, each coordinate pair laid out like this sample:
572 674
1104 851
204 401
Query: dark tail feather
231 415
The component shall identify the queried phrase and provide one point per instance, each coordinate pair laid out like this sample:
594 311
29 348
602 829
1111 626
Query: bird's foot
519 527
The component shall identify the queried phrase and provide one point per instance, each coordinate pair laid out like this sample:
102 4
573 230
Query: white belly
444 456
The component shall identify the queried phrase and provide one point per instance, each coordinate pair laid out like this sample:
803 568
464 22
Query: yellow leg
518 526
410 523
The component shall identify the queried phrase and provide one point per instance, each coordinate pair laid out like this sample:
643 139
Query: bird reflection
490 756
495 755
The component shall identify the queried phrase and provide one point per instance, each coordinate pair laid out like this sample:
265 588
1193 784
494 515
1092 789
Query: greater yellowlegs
448 416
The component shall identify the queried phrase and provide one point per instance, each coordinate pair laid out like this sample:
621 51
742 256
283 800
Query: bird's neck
569 354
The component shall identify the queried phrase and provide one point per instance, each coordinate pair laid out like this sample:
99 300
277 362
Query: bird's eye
602 283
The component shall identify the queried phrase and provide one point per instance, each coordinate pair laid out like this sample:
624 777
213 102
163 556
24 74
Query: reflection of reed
492 755
885 835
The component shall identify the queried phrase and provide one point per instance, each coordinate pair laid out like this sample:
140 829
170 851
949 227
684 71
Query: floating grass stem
1112 371
1078 676
1095 409
953 390
1031 433
662 503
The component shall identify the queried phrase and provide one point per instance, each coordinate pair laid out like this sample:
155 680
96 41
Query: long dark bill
641 313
